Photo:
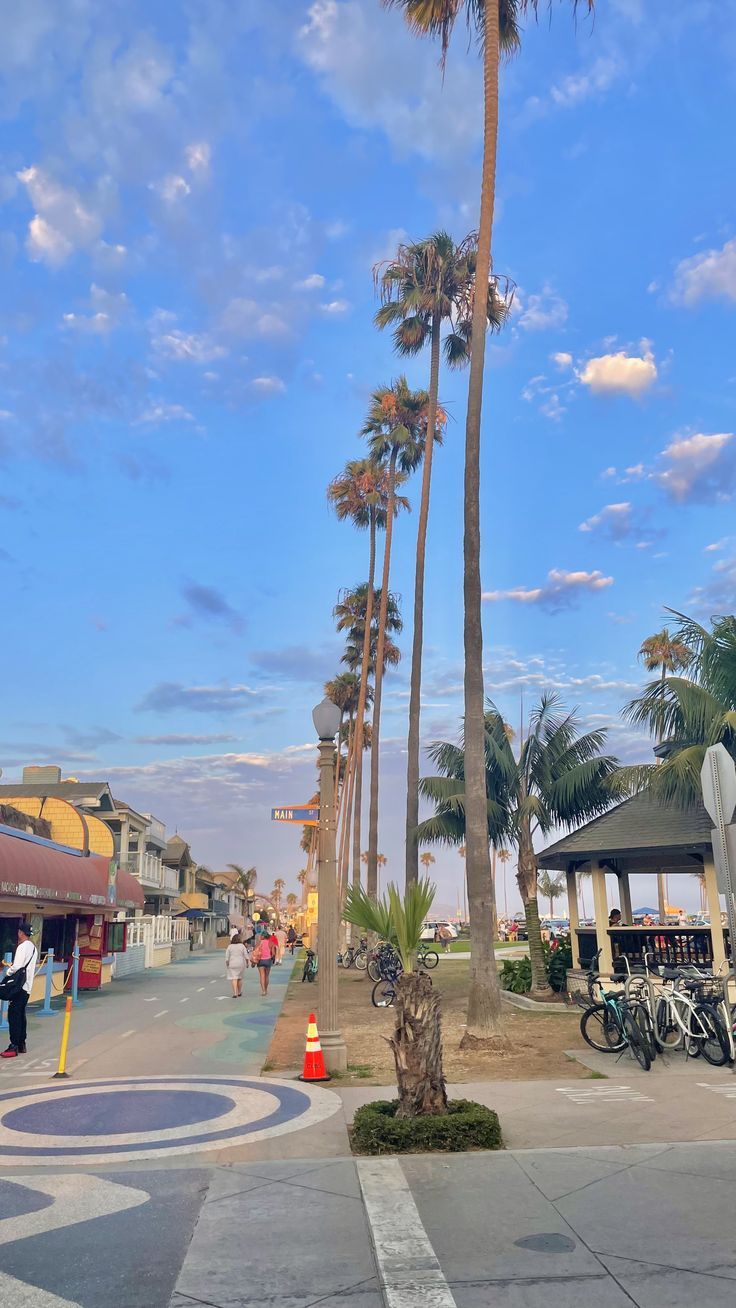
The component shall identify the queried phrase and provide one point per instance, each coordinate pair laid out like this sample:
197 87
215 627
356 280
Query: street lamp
327 717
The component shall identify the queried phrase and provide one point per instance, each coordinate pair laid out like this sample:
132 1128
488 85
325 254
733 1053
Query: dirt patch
536 1041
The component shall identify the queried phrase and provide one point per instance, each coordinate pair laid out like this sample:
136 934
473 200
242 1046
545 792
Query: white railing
157 933
156 830
171 880
152 870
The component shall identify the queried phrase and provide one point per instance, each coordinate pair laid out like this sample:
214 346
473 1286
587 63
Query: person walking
291 939
24 962
445 936
262 958
236 961
280 934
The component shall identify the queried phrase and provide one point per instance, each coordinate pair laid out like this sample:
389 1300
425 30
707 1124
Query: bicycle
382 962
309 971
615 1022
426 957
689 1013
355 956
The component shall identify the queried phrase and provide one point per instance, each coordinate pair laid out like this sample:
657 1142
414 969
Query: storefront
71 898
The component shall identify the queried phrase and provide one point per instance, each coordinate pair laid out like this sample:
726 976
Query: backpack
10 986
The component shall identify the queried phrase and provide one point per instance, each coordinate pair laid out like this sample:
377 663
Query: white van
429 929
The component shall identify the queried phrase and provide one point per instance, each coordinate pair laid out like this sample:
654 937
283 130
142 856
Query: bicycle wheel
599 1030
374 970
646 1026
346 960
383 994
635 1041
668 1033
361 960
714 1040
429 959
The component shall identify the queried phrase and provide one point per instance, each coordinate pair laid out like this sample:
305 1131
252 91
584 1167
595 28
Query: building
177 856
85 815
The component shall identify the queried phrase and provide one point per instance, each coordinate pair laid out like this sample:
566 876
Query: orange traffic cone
314 1061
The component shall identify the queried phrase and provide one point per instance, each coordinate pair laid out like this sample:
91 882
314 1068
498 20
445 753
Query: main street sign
303 815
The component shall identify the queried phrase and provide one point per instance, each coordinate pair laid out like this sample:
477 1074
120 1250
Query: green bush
516 974
465 1125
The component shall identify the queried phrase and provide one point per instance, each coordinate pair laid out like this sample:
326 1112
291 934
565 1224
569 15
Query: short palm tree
558 780
496 25
426 285
686 714
417 1036
503 858
427 859
396 429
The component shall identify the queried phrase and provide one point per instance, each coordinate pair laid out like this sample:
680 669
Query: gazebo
639 835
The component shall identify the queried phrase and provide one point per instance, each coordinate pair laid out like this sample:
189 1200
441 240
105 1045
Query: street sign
718 779
303 815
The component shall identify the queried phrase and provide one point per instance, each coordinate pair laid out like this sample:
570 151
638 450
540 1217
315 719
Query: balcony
152 874
156 831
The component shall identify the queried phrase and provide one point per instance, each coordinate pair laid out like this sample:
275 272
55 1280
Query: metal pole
75 976
61 1069
333 1044
47 1010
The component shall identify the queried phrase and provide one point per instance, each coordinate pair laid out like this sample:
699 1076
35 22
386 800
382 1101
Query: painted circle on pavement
136 1118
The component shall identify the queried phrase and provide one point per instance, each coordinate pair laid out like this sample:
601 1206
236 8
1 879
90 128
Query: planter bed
466 1125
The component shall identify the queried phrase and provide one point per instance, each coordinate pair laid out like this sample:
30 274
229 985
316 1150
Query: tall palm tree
278 889
558 780
247 877
688 713
504 856
381 861
496 24
426 285
427 859
396 429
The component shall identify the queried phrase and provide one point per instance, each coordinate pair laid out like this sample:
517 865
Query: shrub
465 1125
516 974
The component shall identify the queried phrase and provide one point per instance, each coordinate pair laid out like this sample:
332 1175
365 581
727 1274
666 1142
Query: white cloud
595 81
314 282
335 307
62 222
561 590
717 596
188 347
107 310
361 55
620 373
198 157
160 412
615 519
701 468
540 312
171 188
246 317
710 275
268 385
562 359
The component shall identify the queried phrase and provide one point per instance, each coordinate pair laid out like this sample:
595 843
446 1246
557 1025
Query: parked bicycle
690 1011
383 962
309 971
614 1022
427 957
355 956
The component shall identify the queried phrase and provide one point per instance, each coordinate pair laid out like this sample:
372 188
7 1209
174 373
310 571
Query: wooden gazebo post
714 913
600 909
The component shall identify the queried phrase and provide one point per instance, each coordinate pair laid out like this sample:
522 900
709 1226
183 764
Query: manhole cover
547 1242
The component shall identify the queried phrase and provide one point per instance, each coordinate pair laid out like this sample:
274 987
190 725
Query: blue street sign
302 815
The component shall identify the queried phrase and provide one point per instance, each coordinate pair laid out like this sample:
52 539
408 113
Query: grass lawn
536 1040
463 946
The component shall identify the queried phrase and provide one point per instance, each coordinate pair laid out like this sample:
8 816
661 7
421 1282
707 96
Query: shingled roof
638 826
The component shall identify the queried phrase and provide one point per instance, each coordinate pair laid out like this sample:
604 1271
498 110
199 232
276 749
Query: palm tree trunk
345 810
484 997
363 693
417 1047
527 878
372 876
415 692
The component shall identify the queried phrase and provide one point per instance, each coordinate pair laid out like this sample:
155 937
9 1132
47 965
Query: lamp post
326 717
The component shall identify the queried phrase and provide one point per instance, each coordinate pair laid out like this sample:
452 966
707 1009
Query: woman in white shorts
236 961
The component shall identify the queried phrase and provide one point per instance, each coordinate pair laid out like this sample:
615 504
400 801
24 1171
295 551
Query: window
115 938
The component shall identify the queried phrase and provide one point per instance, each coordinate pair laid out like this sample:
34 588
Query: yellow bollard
61 1070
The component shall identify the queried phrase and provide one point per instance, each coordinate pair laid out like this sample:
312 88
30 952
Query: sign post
718 779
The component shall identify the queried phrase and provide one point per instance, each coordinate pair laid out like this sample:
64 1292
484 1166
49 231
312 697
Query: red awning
35 869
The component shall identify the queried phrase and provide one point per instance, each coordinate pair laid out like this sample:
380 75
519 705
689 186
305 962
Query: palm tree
427 859
417 1037
396 429
495 22
504 857
559 779
686 714
247 878
302 879
278 888
381 861
551 887
427 284
291 901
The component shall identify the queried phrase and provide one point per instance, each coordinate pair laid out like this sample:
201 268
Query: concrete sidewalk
648 1225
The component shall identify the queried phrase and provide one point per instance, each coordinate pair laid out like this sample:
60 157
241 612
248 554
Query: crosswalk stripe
410 1272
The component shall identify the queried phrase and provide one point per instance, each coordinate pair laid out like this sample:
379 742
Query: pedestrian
23 965
280 934
262 958
234 931
445 936
291 939
236 961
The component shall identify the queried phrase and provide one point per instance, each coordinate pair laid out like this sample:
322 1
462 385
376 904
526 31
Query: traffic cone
314 1060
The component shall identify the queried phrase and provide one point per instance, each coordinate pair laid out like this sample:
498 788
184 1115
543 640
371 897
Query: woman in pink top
262 957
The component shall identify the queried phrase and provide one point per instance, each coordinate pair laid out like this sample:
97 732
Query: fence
147 940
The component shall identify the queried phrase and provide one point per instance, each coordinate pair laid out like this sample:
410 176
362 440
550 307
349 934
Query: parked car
429 929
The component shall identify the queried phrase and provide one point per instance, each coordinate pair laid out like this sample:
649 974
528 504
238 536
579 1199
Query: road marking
163 1013
24 1295
220 998
153 999
213 981
726 1091
616 1094
75 1199
185 1000
409 1269
200 989
125 1034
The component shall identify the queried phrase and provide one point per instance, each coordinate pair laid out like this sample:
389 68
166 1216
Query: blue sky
191 201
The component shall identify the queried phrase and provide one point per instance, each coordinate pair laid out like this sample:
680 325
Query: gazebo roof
640 826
